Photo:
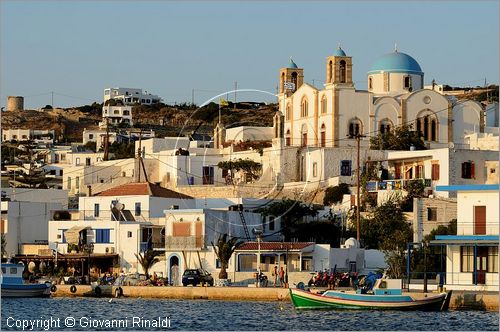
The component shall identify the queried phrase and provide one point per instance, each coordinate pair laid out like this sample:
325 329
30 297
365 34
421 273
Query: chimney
89 190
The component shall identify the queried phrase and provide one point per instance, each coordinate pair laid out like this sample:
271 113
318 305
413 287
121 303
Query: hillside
165 120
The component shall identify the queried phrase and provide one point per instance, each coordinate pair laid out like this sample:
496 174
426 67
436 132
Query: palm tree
148 259
224 250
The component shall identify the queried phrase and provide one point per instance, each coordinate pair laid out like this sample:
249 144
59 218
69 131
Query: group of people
279 276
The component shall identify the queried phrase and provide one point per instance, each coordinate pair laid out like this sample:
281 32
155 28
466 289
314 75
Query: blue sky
77 48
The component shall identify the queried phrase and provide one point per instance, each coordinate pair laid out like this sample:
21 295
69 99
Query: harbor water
157 314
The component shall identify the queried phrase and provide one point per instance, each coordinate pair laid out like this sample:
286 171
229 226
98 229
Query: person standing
275 275
282 277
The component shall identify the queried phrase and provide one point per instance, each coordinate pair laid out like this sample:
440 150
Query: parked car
197 276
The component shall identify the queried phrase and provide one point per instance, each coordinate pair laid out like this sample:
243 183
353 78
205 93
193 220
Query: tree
401 138
122 150
224 250
334 195
147 260
248 166
414 189
91 146
290 212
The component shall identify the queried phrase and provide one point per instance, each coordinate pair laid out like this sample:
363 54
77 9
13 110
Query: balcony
184 242
373 186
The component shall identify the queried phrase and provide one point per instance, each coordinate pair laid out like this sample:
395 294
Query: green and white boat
386 295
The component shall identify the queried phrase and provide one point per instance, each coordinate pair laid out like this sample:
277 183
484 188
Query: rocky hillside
164 119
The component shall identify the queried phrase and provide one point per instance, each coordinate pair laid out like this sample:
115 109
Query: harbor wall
460 300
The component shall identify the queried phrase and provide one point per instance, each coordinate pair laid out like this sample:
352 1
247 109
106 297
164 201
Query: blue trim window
63 236
102 236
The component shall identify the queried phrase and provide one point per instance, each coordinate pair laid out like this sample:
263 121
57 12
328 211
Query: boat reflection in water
386 295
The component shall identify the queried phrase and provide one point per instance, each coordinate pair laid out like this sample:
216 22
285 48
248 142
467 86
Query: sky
75 49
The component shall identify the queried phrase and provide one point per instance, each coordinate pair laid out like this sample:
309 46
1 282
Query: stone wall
446 210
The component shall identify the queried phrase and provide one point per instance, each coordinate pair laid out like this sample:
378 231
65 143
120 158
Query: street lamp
258 233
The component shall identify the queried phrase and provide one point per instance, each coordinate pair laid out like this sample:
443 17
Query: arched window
323 105
370 83
342 69
287 138
322 133
282 82
303 132
294 80
385 126
330 71
288 112
427 126
355 127
303 108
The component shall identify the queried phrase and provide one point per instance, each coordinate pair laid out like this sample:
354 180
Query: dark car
197 276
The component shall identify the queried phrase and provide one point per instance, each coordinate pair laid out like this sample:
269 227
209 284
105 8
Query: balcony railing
184 242
394 184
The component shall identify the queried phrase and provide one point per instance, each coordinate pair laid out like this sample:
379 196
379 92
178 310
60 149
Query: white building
131 96
25 216
36 135
116 115
328 117
120 136
472 254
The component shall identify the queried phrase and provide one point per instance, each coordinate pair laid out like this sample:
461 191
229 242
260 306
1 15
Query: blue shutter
98 235
105 236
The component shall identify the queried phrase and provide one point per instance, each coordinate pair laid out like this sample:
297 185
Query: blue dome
292 64
339 52
396 62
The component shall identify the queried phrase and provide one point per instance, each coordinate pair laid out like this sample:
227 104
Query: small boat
13 284
386 295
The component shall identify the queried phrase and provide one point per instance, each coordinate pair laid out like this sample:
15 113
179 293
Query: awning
72 235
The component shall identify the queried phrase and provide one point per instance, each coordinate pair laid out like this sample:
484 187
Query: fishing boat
13 284
386 295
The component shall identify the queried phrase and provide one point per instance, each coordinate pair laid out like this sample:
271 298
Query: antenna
395 47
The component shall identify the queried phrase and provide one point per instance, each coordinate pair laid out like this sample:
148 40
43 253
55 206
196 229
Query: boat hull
26 290
339 300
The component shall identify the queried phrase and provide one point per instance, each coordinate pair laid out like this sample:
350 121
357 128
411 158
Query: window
323 136
129 234
431 214
492 259
271 223
116 112
385 126
345 168
315 169
467 259
304 139
294 81
77 161
14 136
63 156
25 137
77 182
355 127
126 112
87 161
13 270
468 170
342 71
304 108
435 172
323 105
52 172
370 83
91 136
69 182
407 82
288 112
330 71
102 235
138 208
61 172
143 100
217 263
287 138
96 210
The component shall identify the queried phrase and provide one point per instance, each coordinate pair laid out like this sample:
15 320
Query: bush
334 195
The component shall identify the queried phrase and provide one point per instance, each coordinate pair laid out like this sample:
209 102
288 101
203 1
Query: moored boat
386 295
13 284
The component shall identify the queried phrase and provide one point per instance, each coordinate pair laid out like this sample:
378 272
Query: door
481 264
479 220
208 175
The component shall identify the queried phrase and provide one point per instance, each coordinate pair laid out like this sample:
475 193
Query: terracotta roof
275 246
143 188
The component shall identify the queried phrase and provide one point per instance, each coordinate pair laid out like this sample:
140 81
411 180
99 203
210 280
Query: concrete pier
460 300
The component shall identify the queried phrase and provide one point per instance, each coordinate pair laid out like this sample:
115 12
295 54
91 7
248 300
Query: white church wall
466 119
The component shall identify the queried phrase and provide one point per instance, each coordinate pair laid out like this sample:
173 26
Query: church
336 114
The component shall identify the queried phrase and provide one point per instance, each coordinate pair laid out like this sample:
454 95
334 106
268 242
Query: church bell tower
291 78
339 69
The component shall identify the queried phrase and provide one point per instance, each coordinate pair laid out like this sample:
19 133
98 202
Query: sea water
86 314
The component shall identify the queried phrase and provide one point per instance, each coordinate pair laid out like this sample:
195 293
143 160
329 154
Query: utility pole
106 141
192 97
358 137
52 102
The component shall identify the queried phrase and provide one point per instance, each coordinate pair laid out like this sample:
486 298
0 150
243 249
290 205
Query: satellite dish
119 206
451 145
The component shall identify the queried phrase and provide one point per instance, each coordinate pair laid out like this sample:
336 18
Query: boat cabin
12 273
387 287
